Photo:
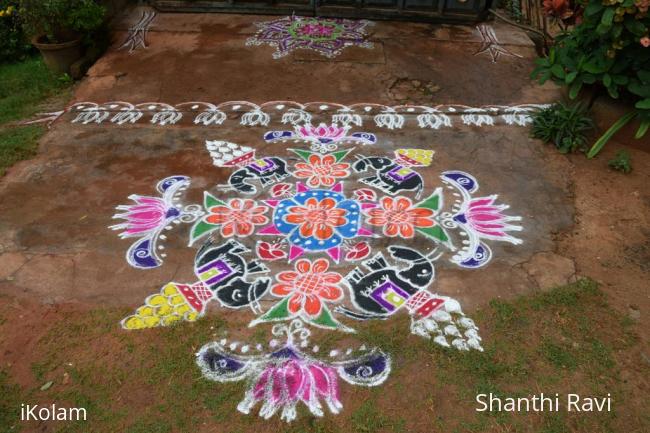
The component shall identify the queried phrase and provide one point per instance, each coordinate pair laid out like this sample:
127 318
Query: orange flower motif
308 286
398 217
238 218
321 170
316 218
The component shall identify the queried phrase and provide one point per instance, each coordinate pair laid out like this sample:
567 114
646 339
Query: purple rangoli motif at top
328 36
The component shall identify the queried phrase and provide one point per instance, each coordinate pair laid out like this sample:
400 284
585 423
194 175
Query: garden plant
605 45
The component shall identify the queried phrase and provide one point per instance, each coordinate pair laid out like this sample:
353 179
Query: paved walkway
203 56
54 242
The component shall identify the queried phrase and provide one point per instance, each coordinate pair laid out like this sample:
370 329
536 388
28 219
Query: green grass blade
643 128
598 145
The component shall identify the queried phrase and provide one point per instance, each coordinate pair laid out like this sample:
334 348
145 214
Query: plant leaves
593 8
593 68
643 128
575 89
558 70
639 89
613 92
643 104
643 75
608 17
634 26
570 77
607 80
598 145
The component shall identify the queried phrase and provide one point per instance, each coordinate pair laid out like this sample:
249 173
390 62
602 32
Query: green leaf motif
199 229
211 201
279 311
325 319
433 201
435 232
304 154
341 154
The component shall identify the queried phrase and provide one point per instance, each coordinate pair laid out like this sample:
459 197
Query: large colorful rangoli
326 237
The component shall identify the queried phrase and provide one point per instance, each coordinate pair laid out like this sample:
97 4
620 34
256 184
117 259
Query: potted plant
57 27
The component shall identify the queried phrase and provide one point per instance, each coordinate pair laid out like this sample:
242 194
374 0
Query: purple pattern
281 380
222 271
394 173
379 295
328 36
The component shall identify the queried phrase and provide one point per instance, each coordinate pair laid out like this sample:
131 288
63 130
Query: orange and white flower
317 218
398 217
238 218
308 286
321 170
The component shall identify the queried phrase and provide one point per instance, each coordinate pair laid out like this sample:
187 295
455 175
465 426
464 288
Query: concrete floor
54 242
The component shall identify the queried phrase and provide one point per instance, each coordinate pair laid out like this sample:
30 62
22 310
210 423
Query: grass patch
369 419
148 382
24 87
9 404
17 144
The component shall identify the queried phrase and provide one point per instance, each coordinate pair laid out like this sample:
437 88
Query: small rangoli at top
328 36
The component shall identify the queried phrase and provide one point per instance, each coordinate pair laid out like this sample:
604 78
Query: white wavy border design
251 114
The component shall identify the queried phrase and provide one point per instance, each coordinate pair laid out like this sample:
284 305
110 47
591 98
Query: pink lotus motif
287 377
486 219
323 133
284 384
147 215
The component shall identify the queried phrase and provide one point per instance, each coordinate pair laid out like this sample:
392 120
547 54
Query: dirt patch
610 240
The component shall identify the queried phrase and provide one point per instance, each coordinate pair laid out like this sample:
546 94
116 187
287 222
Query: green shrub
621 162
563 125
609 48
13 43
61 20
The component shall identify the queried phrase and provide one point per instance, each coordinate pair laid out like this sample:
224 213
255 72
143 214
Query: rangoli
210 114
327 36
137 36
490 44
296 241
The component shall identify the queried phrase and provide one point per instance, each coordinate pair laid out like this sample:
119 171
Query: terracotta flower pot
59 57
